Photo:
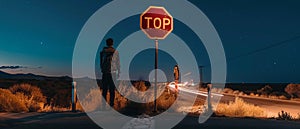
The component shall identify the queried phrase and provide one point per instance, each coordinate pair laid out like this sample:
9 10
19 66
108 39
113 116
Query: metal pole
209 87
156 62
74 98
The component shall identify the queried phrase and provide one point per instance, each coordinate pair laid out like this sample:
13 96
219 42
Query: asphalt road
81 121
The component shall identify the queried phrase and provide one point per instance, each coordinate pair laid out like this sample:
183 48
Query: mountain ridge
5 75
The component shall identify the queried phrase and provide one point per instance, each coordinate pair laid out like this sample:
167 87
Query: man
110 67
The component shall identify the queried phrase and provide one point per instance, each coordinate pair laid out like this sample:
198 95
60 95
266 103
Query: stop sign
156 22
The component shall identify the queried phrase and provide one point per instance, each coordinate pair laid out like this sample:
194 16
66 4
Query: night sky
261 38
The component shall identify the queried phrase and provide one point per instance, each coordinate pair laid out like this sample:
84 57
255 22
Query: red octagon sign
156 22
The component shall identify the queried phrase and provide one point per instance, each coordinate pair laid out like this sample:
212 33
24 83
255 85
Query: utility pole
209 106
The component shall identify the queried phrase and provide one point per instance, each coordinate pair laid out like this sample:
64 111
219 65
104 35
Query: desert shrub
120 102
228 90
284 116
293 90
62 98
140 85
30 95
216 90
165 100
11 103
239 108
280 95
247 92
124 105
92 101
265 90
236 92
283 97
273 97
242 93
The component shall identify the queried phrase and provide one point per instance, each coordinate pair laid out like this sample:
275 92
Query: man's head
109 42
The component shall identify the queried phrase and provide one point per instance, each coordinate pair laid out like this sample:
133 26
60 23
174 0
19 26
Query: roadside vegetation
283 115
26 97
10 102
239 108
21 98
291 92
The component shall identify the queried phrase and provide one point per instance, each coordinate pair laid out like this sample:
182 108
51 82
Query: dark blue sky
260 38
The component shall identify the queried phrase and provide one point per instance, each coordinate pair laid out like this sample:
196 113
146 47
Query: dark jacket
109 60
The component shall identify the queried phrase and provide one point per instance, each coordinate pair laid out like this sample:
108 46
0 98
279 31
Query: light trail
182 89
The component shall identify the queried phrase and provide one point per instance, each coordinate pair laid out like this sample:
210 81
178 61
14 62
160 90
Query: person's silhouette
176 77
110 68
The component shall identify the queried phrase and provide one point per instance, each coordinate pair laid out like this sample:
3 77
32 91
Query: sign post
209 106
156 67
157 24
74 97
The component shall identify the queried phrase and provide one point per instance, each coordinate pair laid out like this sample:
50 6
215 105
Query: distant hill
4 75
7 79
256 86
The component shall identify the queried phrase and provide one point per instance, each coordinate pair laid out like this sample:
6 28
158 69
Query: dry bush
216 90
92 101
120 102
124 105
283 97
30 95
293 90
236 92
228 90
279 95
265 90
239 108
62 98
165 100
284 116
11 103
273 97
242 93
